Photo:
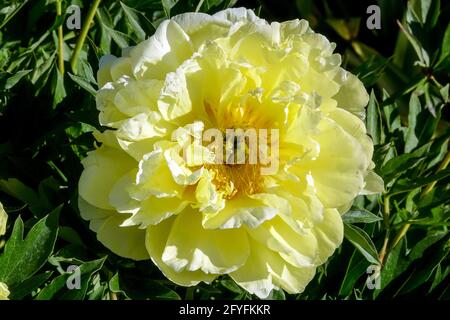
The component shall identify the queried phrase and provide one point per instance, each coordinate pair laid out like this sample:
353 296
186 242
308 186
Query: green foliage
47 116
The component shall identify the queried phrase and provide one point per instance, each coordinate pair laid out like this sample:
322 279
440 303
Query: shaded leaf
24 257
361 240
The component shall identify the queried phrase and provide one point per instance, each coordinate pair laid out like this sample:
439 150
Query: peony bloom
151 190
4 292
3 220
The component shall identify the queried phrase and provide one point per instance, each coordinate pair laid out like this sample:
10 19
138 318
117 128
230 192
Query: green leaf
120 38
422 274
19 190
168 5
277 295
445 48
405 185
418 249
444 91
58 289
8 12
414 110
133 20
355 269
347 28
356 215
141 288
83 83
59 92
231 285
70 235
373 119
438 196
440 276
432 14
23 258
114 285
420 51
13 80
25 288
396 166
361 240
391 110
392 267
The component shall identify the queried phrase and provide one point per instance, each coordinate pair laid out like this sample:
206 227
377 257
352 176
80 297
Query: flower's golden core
236 179
242 116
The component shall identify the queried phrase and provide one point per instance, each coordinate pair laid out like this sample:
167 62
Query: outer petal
102 169
306 247
154 178
329 234
300 249
235 15
352 95
112 68
266 270
128 242
355 127
4 292
155 241
3 220
161 53
191 247
202 27
337 174
373 184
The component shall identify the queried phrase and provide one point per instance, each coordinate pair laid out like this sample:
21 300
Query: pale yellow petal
352 95
3 220
128 242
191 247
102 169
154 178
247 210
4 291
154 210
373 184
155 241
163 52
266 270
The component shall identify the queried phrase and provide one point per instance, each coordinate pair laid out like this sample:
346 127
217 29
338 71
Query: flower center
237 179
245 177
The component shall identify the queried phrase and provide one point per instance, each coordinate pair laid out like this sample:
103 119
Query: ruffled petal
266 270
102 169
191 247
161 53
246 210
3 220
352 95
155 242
128 242
154 210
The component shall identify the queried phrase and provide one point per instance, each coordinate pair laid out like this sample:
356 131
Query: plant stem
427 190
386 213
60 39
82 37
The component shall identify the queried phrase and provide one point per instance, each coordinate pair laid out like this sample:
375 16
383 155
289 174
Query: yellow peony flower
3 220
4 292
151 190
